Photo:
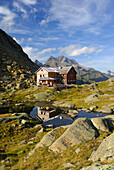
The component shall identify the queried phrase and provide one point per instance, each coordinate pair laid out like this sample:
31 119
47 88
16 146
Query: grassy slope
42 158
75 95
79 93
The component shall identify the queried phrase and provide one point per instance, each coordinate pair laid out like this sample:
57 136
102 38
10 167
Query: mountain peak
51 57
38 63
85 75
110 73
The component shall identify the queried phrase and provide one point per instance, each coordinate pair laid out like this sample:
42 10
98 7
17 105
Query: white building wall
41 73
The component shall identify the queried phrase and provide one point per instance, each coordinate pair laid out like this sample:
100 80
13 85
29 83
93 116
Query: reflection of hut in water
45 113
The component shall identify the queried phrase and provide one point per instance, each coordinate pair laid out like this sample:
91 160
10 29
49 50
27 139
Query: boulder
99 166
41 96
49 138
110 120
80 131
92 98
72 113
92 108
69 165
106 109
23 121
63 104
100 123
105 151
22 142
93 85
77 150
3 167
30 142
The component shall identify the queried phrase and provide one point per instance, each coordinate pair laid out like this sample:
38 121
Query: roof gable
62 70
65 70
48 69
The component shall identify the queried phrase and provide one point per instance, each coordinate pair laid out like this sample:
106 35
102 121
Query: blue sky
78 29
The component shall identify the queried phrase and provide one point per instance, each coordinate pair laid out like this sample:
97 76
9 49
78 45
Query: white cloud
46 50
87 14
34 10
102 63
28 2
75 50
33 53
98 51
19 31
19 41
29 39
7 17
21 9
49 38
38 43
44 22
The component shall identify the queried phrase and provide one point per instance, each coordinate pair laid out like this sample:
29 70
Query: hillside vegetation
18 140
80 96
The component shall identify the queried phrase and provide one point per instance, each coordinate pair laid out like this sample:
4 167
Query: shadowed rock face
15 65
11 51
47 140
105 151
80 131
100 123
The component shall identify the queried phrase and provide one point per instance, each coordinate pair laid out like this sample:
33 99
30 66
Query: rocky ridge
16 69
110 73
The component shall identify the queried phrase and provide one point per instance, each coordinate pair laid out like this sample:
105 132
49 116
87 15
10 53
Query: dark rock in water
72 113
